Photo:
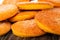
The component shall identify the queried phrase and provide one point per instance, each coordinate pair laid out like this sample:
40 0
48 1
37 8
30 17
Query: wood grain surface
10 36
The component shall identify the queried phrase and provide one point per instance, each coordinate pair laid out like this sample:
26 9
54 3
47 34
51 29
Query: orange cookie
43 0
34 5
27 28
7 11
23 16
4 27
55 2
49 20
13 1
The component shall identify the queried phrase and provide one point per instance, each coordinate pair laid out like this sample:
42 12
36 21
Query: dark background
10 36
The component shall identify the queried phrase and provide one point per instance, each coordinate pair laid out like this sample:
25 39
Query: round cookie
7 11
23 16
55 2
27 28
4 27
34 5
49 20
13 1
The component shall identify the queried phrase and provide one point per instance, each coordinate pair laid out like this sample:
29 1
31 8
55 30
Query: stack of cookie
28 18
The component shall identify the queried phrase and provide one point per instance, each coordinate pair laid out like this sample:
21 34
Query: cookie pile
30 19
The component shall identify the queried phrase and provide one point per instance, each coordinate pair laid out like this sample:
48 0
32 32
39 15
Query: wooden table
10 36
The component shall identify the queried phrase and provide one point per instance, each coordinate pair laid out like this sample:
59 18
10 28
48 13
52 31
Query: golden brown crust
55 2
34 5
7 11
4 27
27 28
48 20
23 16
14 1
